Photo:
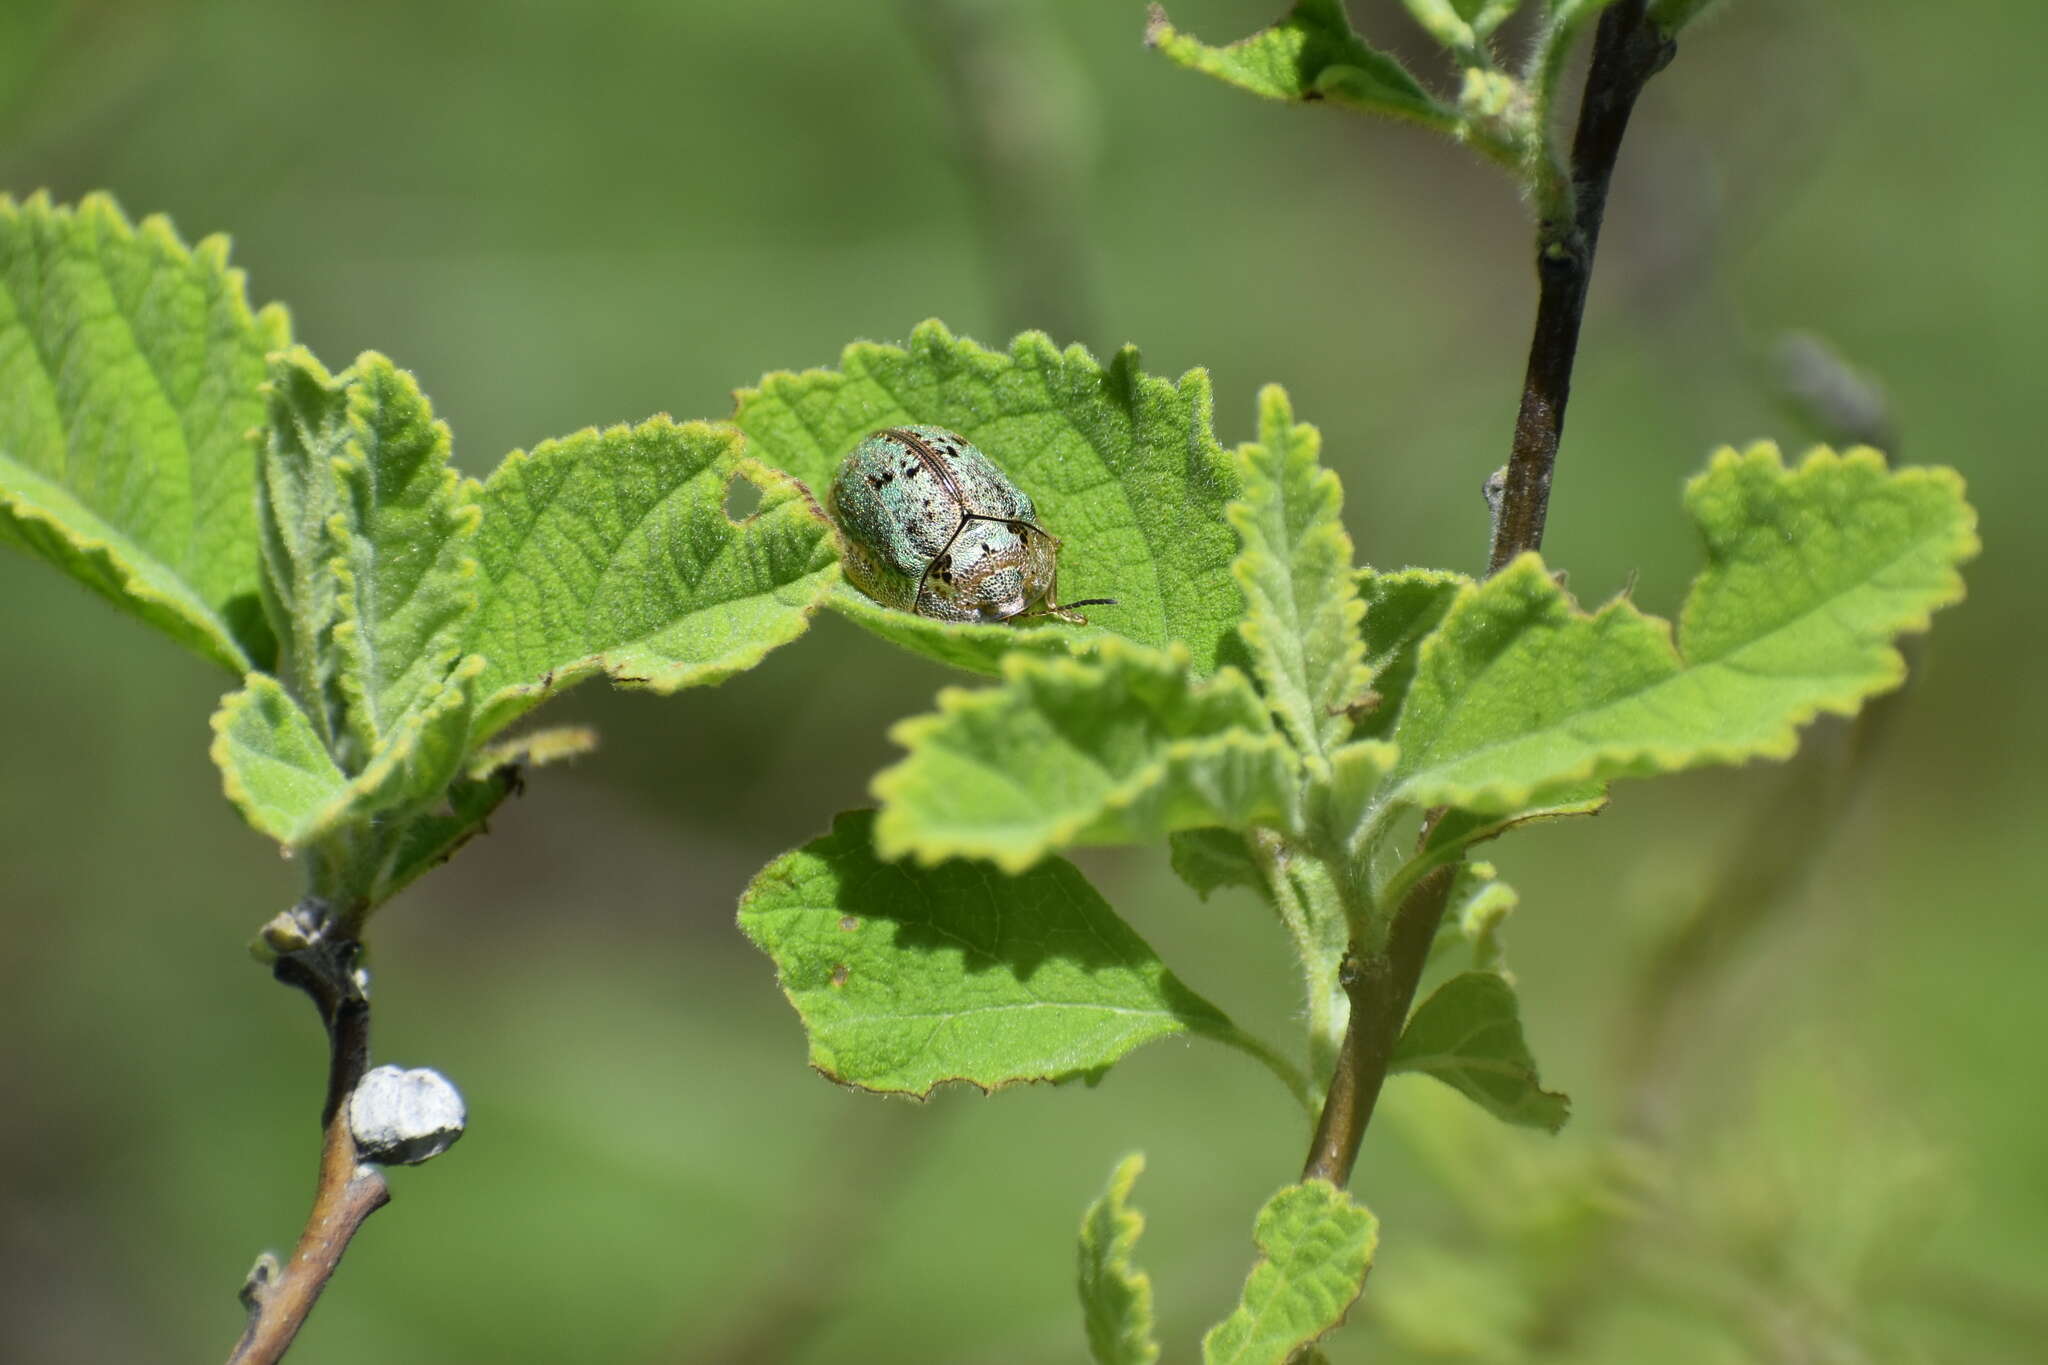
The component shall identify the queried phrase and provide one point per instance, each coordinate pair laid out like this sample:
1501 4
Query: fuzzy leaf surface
1478 906
1122 466
276 770
1468 1035
1312 53
908 977
130 378
1519 696
1116 1296
368 547
1210 859
611 552
1302 609
1401 609
1315 1246
1119 748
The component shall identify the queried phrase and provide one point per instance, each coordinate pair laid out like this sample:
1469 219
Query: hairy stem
1380 983
1628 49
322 965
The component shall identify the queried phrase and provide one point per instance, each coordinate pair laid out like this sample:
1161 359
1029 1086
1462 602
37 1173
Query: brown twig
1628 49
1380 984
348 1191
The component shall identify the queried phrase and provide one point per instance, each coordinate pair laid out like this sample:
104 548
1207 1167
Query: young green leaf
1116 1296
130 376
1310 54
427 839
1446 22
1211 859
1315 1246
1302 608
1479 904
1401 609
908 977
1468 1035
1119 748
611 552
275 768
367 543
1123 468
1519 697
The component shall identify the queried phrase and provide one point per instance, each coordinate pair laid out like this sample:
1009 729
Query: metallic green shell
931 526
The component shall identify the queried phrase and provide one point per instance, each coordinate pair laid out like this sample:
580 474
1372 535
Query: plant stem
323 966
1380 984
1628 49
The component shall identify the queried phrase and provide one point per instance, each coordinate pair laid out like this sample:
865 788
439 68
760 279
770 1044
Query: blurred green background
560 215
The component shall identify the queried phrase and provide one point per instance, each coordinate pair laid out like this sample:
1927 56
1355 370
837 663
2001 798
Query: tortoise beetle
931 526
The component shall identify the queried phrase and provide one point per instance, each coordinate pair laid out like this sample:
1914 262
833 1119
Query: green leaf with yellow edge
1302 609
1401 608
1123 467
1116 1296
1520 697
1126 746
1315 1246
1468 1035
611 552
908 977
1312 53
368 545
130 377
276 769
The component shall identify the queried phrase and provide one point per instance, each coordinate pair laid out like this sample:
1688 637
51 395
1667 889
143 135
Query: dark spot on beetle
848 923
874 482
839 975
910 470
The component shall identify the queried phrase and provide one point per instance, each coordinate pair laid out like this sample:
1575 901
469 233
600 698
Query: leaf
1447 21
1123 468
1401 609
1120 748
1468 1035
367 544
1116 1296
275 769
611 552
1210 859
1302 609
1315 1246
1310 54
130 370
1811 573
1478 905
907 977
425 840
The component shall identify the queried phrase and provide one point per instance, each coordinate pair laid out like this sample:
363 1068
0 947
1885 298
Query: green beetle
931 526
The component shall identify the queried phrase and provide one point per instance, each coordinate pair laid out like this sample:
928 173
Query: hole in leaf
742 499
